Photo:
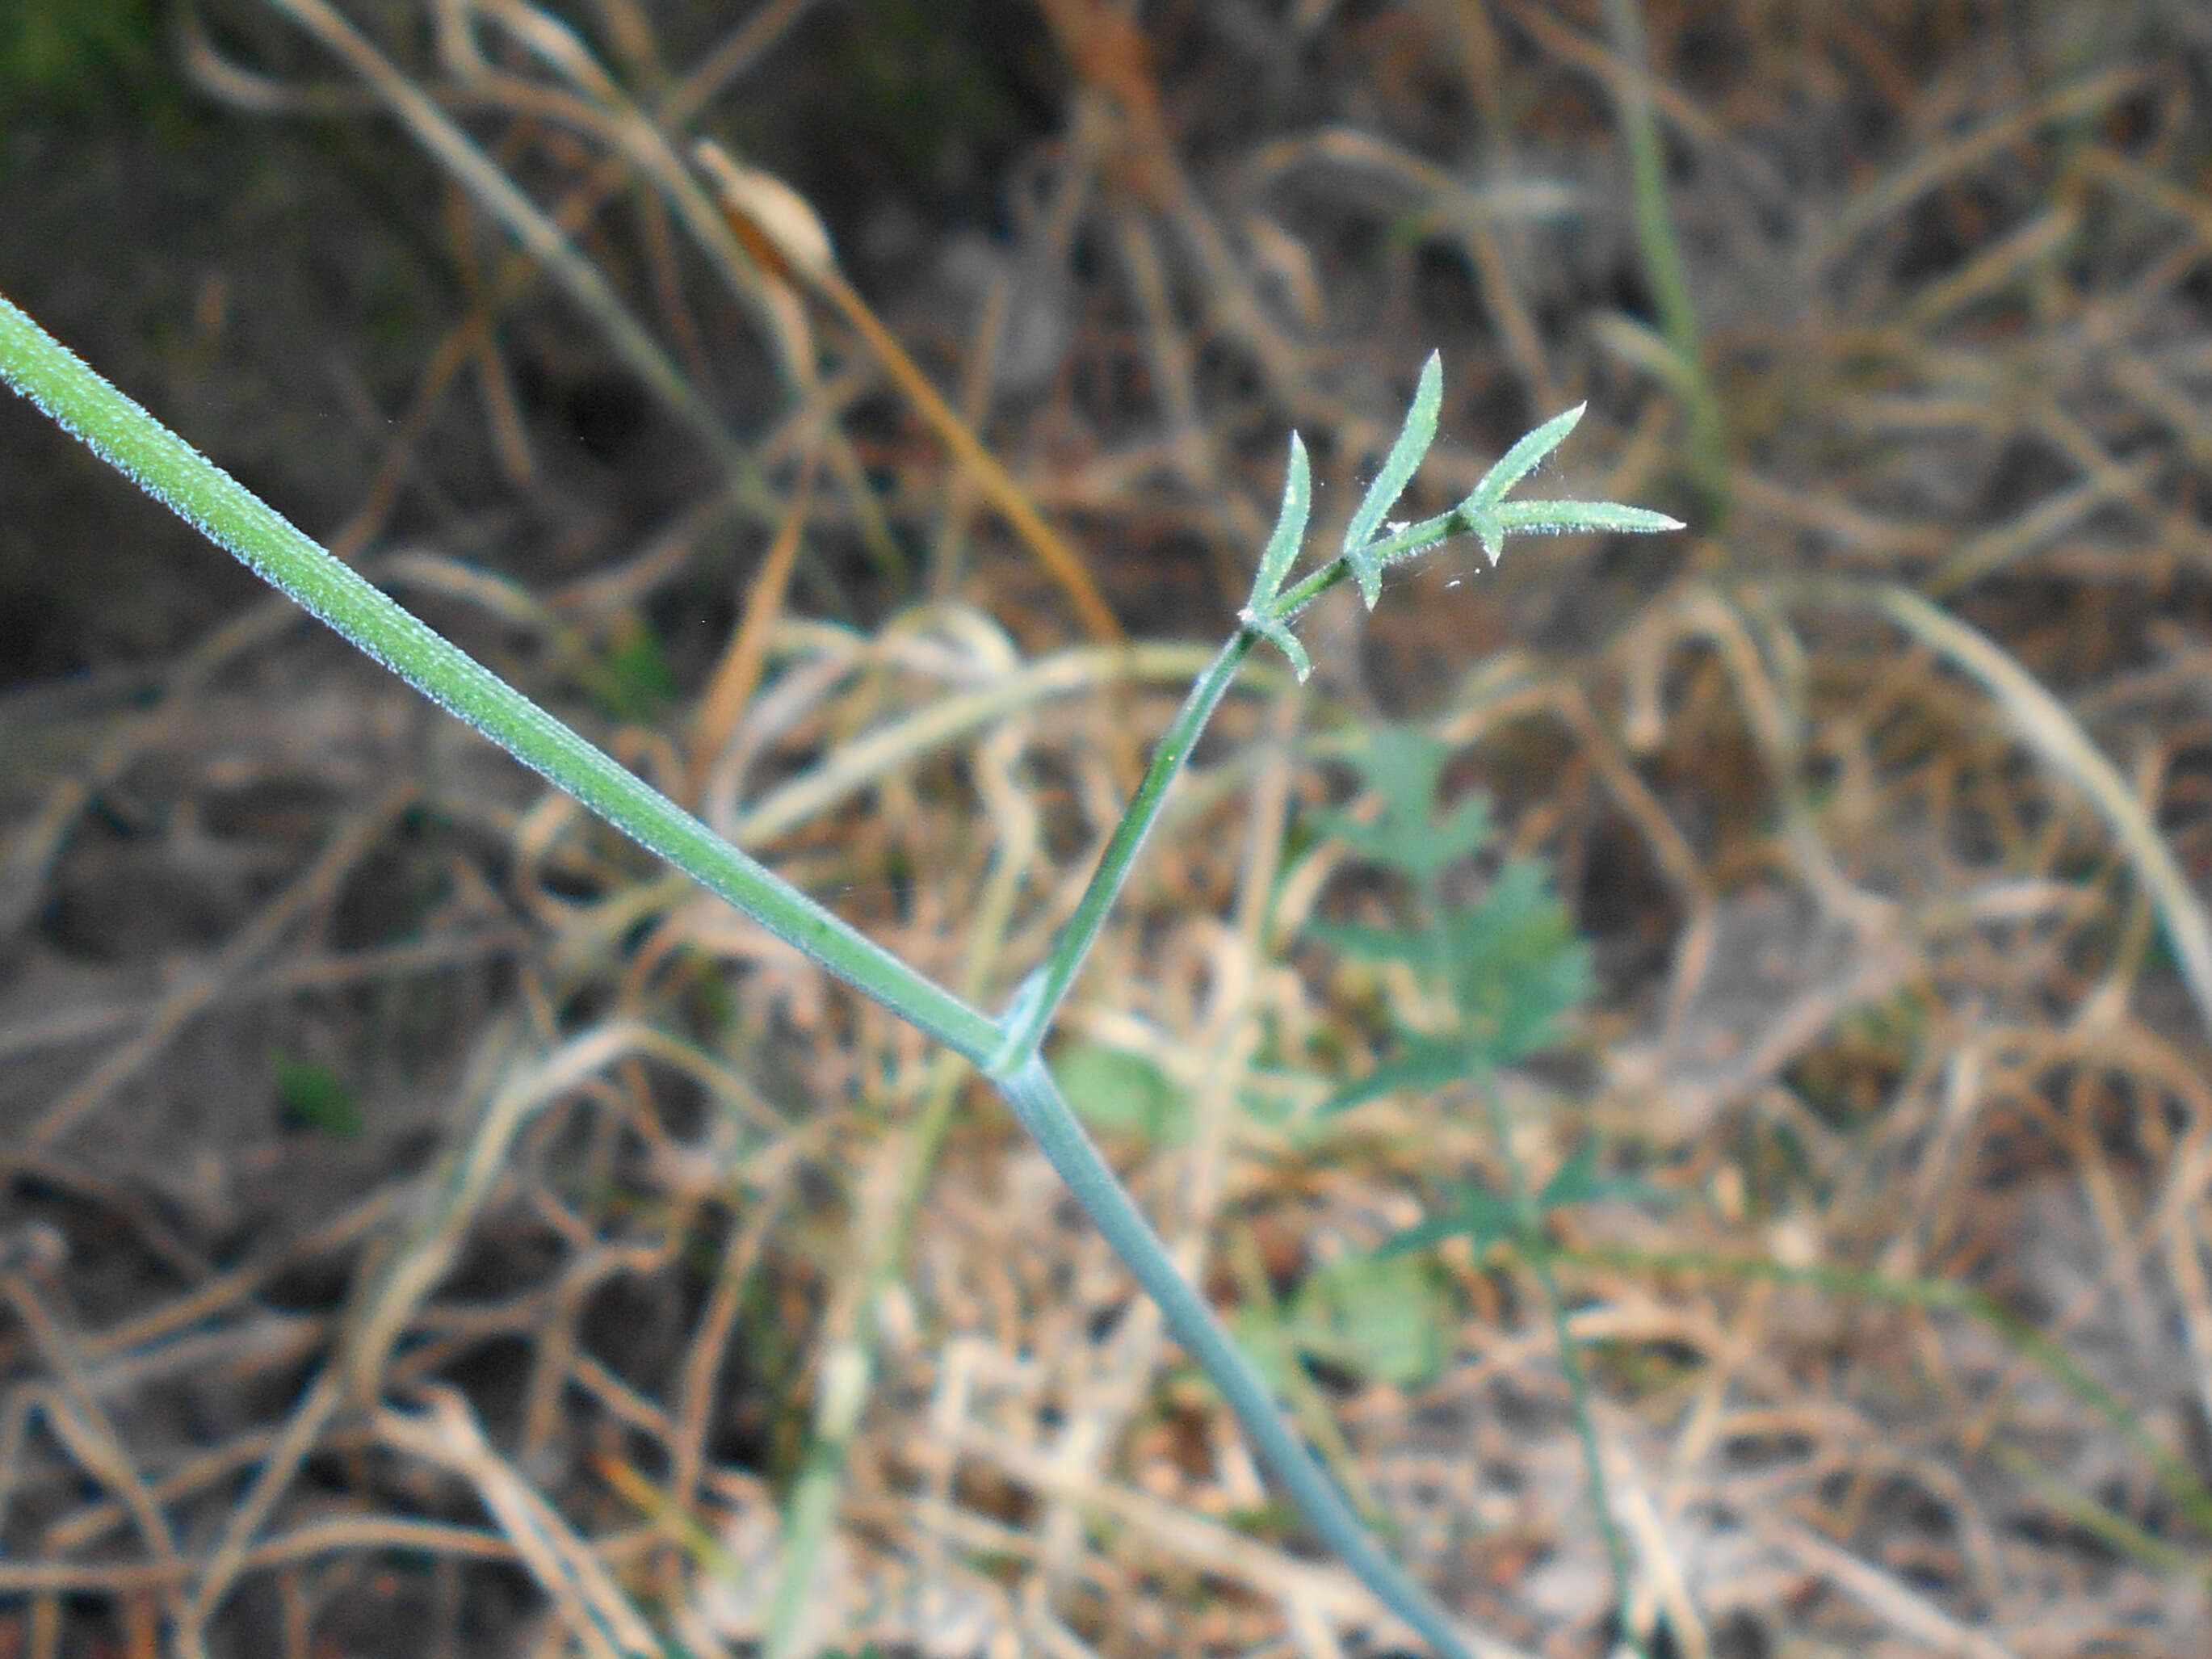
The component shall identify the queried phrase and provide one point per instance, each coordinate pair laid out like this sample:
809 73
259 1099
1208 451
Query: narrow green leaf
1279 635
1290 531
1424 1064
1572 518
1518 462
1399 466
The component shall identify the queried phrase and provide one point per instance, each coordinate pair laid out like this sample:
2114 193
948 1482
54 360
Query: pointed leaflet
1566 518
1279 635
1398 469
1518 462
1422 1065
1290 531
1479 508
1493 518
1276 562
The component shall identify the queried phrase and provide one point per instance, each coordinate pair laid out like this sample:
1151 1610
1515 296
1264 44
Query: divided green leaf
1517 967
1403 766
1510 962
1485 512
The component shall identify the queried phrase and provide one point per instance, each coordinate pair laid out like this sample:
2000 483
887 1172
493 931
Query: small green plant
1499 975
1509 964
1007 1049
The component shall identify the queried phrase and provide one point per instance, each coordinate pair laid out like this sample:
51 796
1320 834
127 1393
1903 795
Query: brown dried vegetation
428 1229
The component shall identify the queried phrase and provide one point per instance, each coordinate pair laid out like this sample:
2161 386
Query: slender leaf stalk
1039 997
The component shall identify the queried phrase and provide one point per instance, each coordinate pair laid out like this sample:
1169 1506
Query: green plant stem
125 435
1662 250
1044 1112
1039 998
165 466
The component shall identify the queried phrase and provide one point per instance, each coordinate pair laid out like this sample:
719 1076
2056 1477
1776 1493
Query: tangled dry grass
428 1229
